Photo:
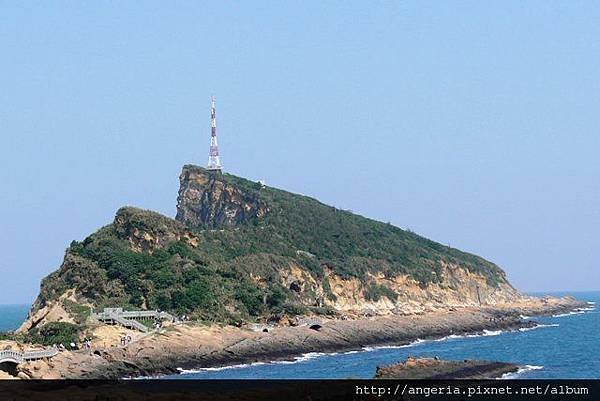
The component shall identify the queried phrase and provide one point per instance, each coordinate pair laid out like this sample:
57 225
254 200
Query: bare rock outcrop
436 369
207 201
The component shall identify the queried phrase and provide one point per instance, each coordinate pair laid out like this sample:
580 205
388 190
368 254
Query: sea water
562 346
11 316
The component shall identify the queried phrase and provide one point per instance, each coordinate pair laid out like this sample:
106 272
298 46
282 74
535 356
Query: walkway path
129 319
20 357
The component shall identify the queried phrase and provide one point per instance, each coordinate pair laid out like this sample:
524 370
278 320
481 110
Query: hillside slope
239 251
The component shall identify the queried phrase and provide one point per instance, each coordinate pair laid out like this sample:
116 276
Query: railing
167 315
135 314
123 322
20 357
46 353
140 314
11 356
131 323
127 318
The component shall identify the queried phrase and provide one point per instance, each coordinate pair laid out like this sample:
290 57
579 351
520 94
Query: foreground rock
435 369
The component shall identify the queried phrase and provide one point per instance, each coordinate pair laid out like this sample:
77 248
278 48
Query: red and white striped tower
214 162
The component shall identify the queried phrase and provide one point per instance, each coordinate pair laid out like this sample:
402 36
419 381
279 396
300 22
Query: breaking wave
579 311
538 326
242 365
526 368
302 358
377 347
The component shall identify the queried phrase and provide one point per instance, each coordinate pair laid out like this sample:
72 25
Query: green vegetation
79 312
374 292
350 244
327 288
53 333
234 274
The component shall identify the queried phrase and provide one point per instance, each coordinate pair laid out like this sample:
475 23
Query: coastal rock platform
193 346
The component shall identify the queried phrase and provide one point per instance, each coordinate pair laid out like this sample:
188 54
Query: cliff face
207 201
240 251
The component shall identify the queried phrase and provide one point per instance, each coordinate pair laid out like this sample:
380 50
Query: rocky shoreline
194 347
436 369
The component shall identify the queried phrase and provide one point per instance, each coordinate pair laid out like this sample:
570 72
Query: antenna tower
214 162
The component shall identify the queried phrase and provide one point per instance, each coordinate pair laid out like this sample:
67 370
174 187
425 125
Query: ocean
11 316
563 346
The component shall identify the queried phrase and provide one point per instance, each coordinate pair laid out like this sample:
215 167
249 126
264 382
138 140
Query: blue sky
472 123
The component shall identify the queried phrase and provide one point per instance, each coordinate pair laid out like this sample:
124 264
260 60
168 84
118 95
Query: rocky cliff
420 273
239 251
206 200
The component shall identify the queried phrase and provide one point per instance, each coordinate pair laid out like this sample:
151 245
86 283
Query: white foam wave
538 326
242 365
301 358
525 317
308 356
578 311
526 368
451 337
484 333
377 347
575 312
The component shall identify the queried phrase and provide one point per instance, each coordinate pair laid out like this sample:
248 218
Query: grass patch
79 313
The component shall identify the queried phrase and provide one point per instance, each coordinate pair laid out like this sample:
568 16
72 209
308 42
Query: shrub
251 298
374 292
277 297
54 333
